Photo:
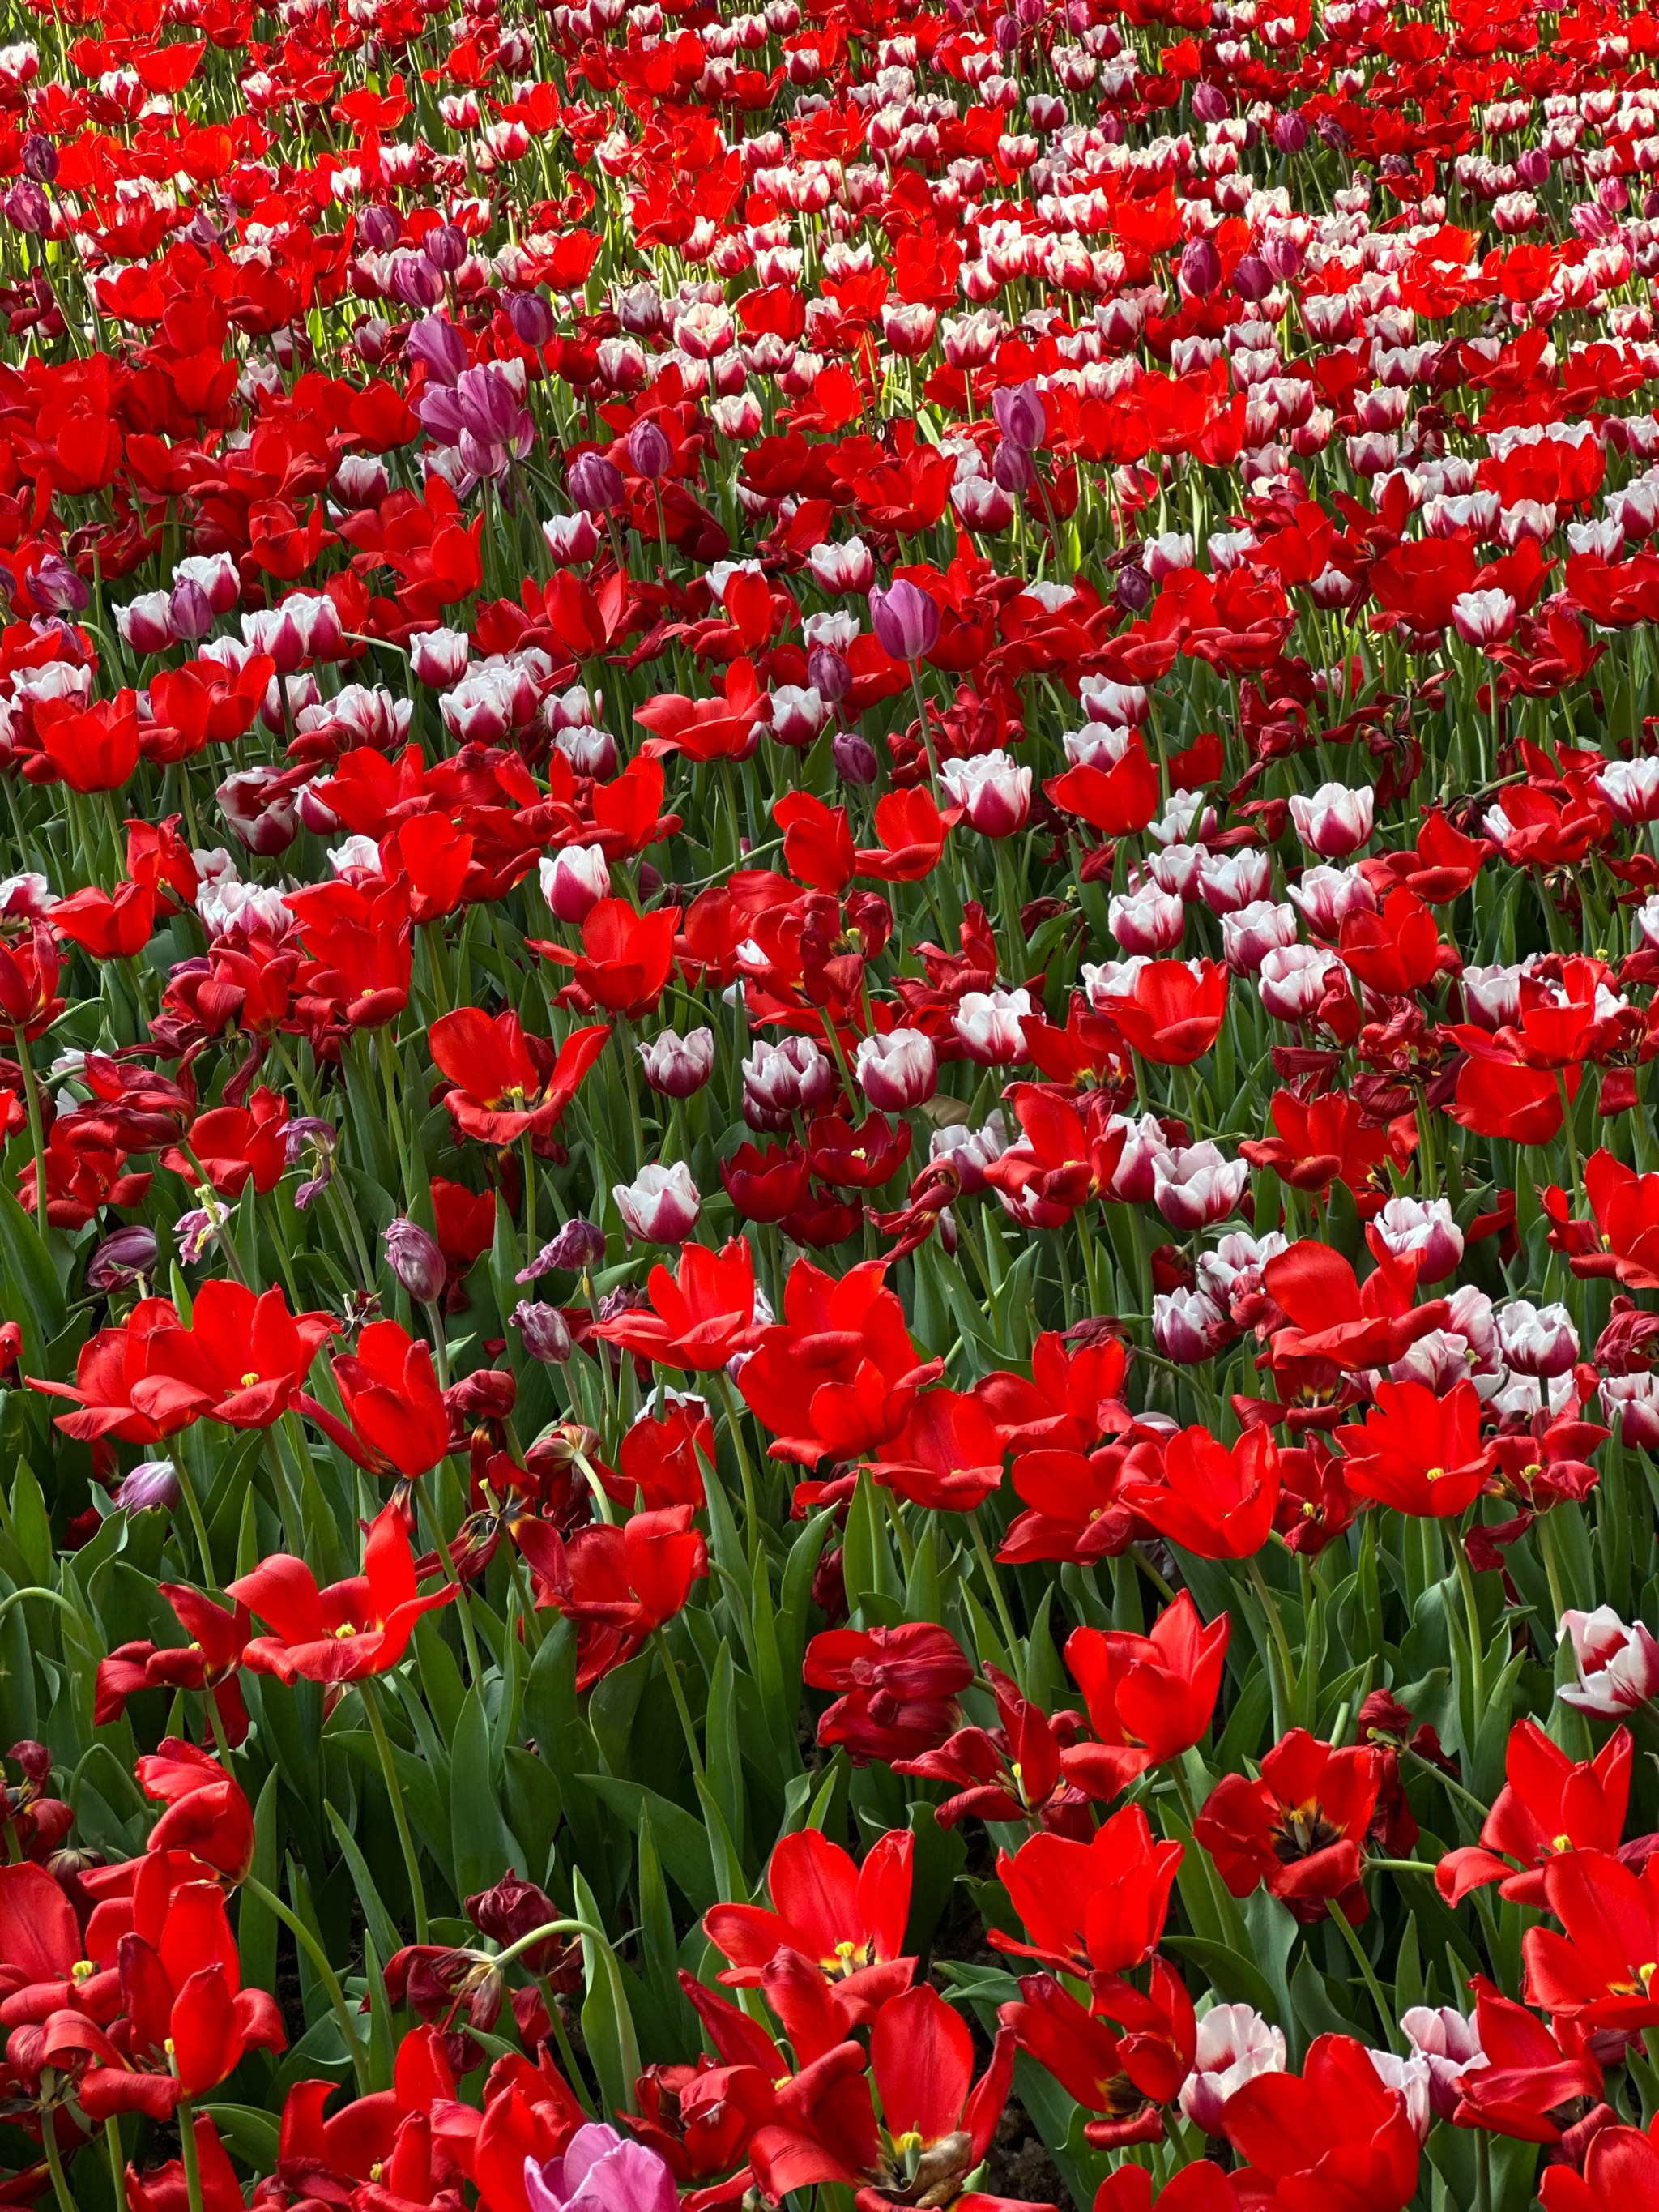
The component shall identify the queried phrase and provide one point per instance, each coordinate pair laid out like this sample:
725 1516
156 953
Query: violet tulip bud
151 1486
594 482
649 453
414 1258
897 1071
854 757
1617 1667
1200 268
545 1331
904 619
661 1206
676 1066
124 1260
531 314
1021 417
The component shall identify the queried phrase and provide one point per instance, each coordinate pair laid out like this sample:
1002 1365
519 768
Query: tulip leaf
482 1847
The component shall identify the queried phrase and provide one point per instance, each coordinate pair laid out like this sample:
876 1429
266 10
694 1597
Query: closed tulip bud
1291 136
842 568
1198 1186
854 757
445 248
414 1258
1021 417
531 314
1633 1400
897 1071
39 159
1618 1667
123 1260
545 1331
1254 931
190 612
216 573
27 208
992 791
905 620
829 674
1200 268
1335 821
1539 1340
1133 590
1295 979
379 229
571 538
1012 467
990 1026
145 623
1324 895
594 482
661 1206
258 806
1252 278
573 880
676 1066
1210 103
151 1486
1235 2044
1147 920
649 453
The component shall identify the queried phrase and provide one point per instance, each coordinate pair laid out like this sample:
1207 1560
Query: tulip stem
54 2159
463 1608
1471 1607
388 1767
186 2116
677 1688
117 2165
37 1129
1016 1649
325 1973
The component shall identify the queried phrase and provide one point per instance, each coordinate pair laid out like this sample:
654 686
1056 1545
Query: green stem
54 2161
194 1511
1472 1608
982 1551
37 1127
463 1611
676 1689
325 1973
187 2151
388 1767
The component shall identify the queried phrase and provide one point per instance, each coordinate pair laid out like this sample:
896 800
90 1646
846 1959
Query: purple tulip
545 1331
531 314
123 1260
1021 416
649 453
445 248
414 1258
1200 268
601 2172
39 159
594 483
855 759
440 346
904 619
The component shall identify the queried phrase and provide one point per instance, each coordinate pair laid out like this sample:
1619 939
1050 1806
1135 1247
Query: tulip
676 1066
1294 978
1449 2046
545 1332
1335 821
1426 1228
439 657
1235 2044
1617 1668
905 620
579 1246
414 1258
1197 1186
574 881
993 792
1251 932
844 569
595 484
897 1071
1539 1340
649 453
991 1025
661 1206
1146 920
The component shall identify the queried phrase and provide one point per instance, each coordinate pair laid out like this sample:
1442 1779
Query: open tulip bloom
829 1209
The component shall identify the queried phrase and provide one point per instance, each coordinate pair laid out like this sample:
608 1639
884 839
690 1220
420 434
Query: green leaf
682 1840
381 1927
34 1297
724 1759
483 1849
607 2020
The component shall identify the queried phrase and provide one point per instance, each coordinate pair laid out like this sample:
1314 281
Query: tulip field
828 1043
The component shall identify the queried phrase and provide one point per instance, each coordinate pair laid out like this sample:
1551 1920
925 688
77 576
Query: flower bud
124 1260
1618 1667
661 1205
1423 1226
649 453
531 314
1200 268
676 1066
545 1331
151 1486
897 1071
1539 1340
579 1246
573 880
992 790
1020 417
1335 821
905 620
854 757
414 1258
595 484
